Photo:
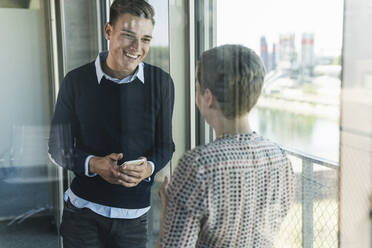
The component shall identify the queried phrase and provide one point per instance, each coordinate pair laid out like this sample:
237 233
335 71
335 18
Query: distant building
273 58
264 52
307 53
287 51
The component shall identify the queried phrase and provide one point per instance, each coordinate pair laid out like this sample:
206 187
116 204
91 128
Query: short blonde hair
235 75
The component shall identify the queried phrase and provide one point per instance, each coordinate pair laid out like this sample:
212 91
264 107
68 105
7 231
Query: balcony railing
313 220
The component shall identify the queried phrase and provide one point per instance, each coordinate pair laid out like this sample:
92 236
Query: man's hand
107 168
133 174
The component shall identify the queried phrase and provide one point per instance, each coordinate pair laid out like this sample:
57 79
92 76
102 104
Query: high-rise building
273 58
264 52
307 53
287 51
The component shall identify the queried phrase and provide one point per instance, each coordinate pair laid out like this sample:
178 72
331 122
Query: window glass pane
356 122
300 43
80 32
158 56
159 50
26 199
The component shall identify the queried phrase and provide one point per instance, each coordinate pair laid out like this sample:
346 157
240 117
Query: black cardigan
98 119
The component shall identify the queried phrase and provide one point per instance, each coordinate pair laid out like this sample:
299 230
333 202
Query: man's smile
132 56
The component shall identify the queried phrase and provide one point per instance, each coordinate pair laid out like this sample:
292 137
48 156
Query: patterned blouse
232 192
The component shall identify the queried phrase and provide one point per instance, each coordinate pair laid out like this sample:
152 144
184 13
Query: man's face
130 38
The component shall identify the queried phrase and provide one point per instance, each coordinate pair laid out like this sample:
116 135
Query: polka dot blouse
232 192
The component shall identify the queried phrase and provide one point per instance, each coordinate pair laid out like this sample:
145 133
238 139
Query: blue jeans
81 227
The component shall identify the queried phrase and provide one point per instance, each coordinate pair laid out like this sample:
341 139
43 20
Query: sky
245 21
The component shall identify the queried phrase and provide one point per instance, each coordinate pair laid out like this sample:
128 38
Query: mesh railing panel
323 191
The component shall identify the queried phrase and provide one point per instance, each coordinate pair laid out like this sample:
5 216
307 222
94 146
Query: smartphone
137 161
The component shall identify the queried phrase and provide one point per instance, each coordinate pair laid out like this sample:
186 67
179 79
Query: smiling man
112 110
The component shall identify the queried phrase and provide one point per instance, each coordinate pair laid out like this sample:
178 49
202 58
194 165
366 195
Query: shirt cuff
152 171
87 167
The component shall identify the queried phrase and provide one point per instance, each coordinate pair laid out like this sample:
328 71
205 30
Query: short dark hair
134 7
235 75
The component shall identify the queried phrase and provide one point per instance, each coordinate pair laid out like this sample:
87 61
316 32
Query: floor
33 232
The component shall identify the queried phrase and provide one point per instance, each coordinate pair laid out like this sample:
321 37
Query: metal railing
313 219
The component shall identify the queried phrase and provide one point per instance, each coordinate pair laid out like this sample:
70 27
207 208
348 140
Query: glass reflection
159 56
26 204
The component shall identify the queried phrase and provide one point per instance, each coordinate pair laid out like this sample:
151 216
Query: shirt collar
100 74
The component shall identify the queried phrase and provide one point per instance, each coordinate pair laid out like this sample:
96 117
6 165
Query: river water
309 134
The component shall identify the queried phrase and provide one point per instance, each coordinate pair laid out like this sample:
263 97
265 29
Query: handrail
314 159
